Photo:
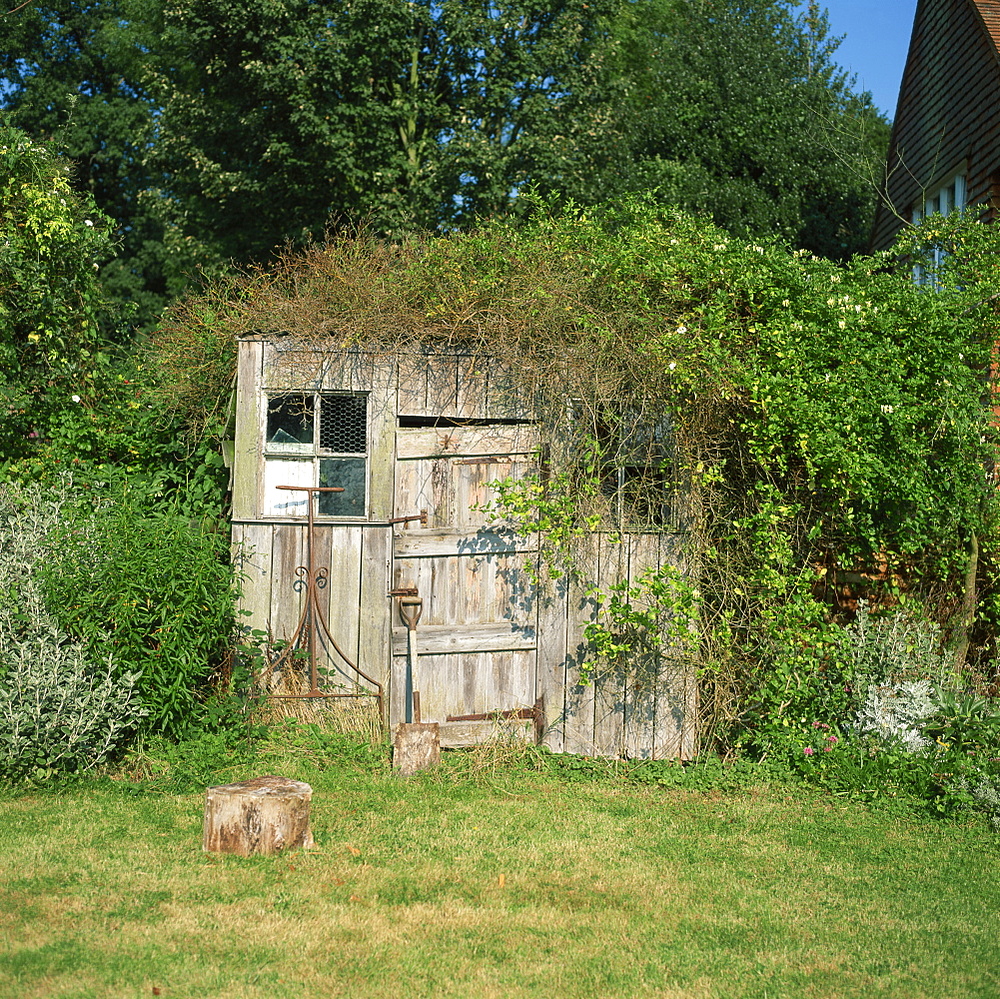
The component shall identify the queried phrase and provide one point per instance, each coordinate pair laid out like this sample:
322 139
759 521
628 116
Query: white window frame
299 464
951 196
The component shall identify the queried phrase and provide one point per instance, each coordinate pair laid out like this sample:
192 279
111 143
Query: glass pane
286 472
290 420
350 474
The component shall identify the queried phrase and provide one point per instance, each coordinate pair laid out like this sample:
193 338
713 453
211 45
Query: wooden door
477 638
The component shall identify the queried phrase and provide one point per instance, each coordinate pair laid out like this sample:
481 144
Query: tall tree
739 110
419 113
72 72
213 130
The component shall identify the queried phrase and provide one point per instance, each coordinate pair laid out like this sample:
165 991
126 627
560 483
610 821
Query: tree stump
265 815
416 747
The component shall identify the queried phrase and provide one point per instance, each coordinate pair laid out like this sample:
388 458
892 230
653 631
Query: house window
944 200
316 440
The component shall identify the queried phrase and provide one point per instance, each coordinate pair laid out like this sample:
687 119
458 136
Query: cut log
265 815
416 747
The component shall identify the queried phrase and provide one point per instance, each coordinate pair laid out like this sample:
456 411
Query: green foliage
214 130
738 110
643 627
73 76
59 711
156 592
51 243
964 722
61 708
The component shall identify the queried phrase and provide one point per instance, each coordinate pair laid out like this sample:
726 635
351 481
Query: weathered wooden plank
578 727
441 682
374 604
290 367
349 371
382 441
442 385
338 548
247 450
252 544
551 656
609 691
415 544
464 735
512 679
436 442
287 597
458 638
471 387
411 381
646 676
507 395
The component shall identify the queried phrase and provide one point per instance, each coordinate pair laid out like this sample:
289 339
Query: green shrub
156 593
58 711
61 710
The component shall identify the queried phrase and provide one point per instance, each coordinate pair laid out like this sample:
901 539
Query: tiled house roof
948 114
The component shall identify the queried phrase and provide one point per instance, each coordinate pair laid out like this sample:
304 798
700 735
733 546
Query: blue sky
874 49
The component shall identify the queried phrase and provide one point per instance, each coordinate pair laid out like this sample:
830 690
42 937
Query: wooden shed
415 442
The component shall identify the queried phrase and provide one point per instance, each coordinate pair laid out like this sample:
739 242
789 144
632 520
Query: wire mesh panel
343 424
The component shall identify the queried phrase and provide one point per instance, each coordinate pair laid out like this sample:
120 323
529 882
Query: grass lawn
487 884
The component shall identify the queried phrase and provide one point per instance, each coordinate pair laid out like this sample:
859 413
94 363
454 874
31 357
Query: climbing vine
793 420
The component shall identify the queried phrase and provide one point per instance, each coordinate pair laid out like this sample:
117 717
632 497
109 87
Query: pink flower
808 750
831 738
826 749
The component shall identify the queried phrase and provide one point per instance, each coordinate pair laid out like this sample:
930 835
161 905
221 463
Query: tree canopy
211 130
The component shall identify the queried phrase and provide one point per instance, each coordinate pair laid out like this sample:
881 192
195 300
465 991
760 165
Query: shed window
317 440
631 452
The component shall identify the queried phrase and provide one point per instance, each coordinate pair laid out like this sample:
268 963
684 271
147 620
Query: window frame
310 453
953 195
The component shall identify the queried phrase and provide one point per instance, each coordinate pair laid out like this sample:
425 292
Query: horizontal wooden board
460 735
458 541
438 442
436 639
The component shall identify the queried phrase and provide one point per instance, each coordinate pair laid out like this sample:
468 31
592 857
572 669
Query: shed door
476 639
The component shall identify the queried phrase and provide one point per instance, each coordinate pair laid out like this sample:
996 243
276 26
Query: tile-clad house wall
948 114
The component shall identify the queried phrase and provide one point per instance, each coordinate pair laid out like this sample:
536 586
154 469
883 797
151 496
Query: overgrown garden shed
421 441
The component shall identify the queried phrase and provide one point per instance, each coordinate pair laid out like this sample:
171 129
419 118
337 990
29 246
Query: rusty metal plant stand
312 624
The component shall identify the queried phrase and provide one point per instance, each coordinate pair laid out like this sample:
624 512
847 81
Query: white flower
682 329
672 365
75 398
87 222
888 409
